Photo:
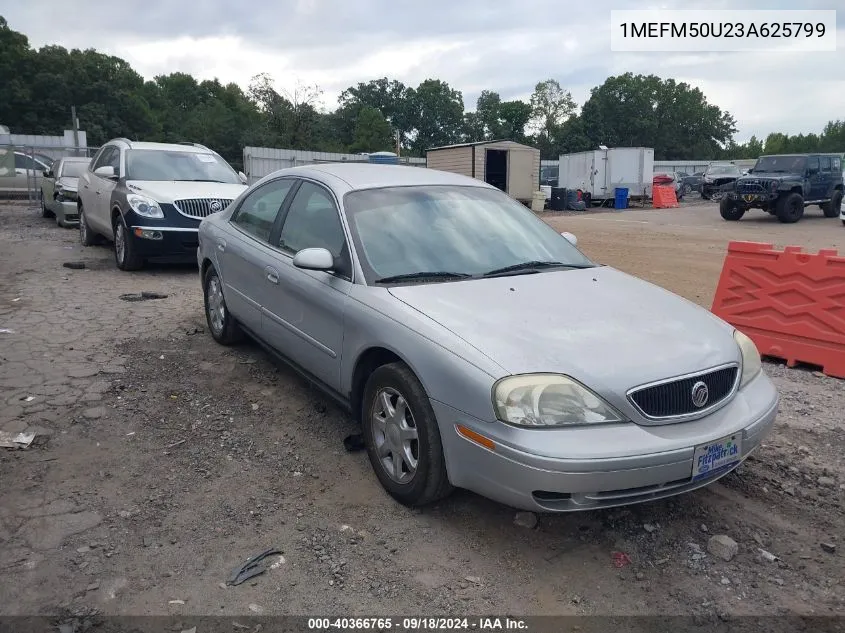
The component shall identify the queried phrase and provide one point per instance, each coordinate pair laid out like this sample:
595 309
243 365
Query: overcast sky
502 45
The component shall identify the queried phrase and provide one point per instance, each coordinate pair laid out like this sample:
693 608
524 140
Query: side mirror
47 173
812 171
570 238
314 259
106 171
242 176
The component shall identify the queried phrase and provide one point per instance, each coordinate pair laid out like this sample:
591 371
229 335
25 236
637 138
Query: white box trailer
600 172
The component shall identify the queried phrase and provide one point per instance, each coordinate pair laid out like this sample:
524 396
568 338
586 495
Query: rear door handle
272 275
221 245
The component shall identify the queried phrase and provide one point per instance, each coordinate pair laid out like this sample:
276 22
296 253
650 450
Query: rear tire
790 208
402 437
125 251
86 235
730 210
222 325
831 209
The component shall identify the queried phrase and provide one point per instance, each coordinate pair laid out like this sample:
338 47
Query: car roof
170 147
75 159
371 176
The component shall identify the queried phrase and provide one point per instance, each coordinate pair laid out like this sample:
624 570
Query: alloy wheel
216 305
120 242
395 435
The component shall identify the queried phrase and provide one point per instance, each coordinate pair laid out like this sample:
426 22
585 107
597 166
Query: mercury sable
478 347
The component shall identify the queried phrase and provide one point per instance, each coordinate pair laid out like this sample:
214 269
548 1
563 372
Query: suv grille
752 186
201 207
674 398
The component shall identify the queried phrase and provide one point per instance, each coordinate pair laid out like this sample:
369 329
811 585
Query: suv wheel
86 235
831 209
731 210
125 251
224 329
790 208
402 437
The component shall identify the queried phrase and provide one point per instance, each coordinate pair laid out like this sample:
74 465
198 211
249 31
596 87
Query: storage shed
512 167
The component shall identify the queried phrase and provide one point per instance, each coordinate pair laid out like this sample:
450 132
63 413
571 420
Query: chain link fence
22 169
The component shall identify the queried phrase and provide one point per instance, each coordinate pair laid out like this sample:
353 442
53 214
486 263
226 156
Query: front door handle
272 275
99 192
221 245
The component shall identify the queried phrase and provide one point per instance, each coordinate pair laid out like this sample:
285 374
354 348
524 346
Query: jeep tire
831 207
790 208
731 210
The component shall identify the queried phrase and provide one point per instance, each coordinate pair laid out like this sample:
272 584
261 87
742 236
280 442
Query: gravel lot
163 460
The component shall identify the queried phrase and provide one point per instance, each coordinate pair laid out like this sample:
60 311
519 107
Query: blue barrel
384 158
621 195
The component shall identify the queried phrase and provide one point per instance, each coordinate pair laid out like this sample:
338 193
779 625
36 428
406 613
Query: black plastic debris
354 442
74 265
142 296
251 567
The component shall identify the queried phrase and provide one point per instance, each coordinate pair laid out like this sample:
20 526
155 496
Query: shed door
521 183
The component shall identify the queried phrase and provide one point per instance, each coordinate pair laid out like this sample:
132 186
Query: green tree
513 118
390 97
372 132
551 105
673 118
437 114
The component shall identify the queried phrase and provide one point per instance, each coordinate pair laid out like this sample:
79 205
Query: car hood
769 176
68 182
598 325
167 191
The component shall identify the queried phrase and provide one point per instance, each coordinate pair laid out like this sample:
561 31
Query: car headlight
549 400
751 364
144 206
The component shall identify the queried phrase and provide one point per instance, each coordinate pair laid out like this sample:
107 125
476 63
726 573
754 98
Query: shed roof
475 143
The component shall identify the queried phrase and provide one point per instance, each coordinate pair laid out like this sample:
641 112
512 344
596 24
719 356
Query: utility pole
398 142
75 127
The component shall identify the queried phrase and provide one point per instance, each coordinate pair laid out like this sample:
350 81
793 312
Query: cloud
507 46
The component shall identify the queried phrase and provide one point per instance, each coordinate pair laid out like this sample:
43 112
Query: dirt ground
163 460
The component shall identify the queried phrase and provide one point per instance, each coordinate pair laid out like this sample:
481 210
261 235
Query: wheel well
797 190
206 264
115 213
838 188
367 363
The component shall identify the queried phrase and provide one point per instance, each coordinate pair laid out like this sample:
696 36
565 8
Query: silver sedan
478 347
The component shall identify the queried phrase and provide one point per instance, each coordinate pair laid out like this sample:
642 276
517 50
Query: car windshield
781 164
722 169
156 164
451 229
72 169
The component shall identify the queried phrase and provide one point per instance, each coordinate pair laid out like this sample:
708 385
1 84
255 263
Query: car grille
201 207
674 398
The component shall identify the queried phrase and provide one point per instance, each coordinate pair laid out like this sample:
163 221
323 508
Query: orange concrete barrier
663 197
790 303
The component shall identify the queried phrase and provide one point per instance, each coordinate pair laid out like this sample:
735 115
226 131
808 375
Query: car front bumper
69 212
165 242
597 467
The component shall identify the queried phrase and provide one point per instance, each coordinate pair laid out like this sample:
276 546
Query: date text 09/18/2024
482 623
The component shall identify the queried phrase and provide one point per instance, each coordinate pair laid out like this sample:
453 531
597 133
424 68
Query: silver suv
148 198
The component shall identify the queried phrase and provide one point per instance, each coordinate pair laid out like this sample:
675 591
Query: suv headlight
144 206
751 364
549 400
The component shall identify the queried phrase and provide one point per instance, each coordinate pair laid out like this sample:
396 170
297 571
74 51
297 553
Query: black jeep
784 185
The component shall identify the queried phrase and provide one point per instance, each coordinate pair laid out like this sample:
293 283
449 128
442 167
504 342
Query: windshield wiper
439 274
531 266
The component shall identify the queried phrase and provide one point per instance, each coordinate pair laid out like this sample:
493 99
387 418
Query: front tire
831 209
790 208
45 212
730 210
125 250
222 325
86 235
402 437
